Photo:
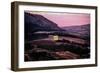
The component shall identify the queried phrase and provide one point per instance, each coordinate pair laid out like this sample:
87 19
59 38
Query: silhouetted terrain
40 42
81 31
35 22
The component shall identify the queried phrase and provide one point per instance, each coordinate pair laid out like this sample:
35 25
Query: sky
67 19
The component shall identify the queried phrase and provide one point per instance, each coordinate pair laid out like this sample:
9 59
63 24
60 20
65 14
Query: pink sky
67 19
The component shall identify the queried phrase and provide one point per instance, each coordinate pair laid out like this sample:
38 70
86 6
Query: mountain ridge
35 22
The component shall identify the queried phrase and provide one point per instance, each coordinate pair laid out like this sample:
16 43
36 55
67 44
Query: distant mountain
81 31
36 22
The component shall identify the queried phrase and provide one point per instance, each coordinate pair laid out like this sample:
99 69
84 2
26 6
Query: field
64 48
